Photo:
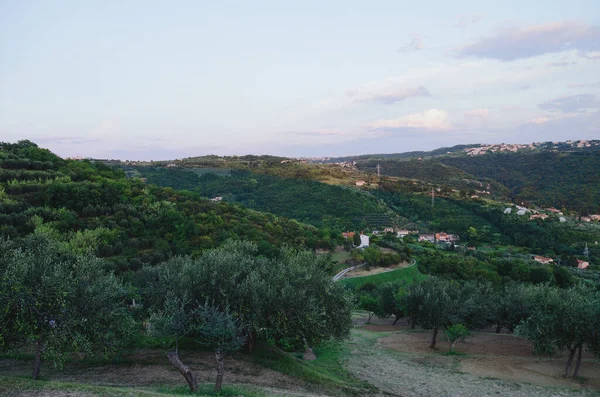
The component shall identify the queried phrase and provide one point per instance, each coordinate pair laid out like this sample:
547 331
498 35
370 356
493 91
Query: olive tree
456 333
208 325
59 302
290 300
436 304
563 320
511 306
221 330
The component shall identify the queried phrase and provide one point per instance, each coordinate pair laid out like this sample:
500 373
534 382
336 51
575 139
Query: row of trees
554 319
58 297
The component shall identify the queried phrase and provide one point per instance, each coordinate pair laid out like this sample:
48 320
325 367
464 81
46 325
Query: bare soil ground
150 367
400 363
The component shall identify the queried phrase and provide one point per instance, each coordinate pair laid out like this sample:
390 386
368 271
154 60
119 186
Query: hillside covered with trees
125 220
336 208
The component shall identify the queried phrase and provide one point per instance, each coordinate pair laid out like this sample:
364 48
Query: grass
341 256
17 386
408 274
326 372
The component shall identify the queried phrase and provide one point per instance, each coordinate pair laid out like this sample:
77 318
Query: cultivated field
399 362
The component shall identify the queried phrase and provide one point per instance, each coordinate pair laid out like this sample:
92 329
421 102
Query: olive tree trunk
433 338
578 365
184 370
38 359
220 356
570 361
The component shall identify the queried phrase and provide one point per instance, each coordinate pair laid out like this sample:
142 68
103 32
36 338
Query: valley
247 233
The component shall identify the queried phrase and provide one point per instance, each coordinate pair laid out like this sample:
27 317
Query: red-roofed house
538 216
348 234
582 264
446 238
542 259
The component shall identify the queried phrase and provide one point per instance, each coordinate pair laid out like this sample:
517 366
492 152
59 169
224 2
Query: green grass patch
409 274
454 353
341 256
18 386
326 372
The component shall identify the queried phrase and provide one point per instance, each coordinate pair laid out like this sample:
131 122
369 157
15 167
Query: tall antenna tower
378 170
586 251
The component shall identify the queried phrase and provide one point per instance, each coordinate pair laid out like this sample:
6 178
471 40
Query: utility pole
432 197
586 251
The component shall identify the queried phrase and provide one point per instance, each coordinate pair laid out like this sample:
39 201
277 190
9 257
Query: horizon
148 80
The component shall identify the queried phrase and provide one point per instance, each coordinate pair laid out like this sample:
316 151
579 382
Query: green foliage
435 304
219 329
291 300
569 180
319 204
456 333
563 320
125 221
511 306
60 301
370 304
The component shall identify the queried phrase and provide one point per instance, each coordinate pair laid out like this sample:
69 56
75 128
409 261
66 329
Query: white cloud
467 19
432 119
514 43
540 120
387 95
415 44
476 114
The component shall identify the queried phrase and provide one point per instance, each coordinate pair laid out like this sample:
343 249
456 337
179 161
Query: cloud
467 19
415 44
540 120
590 55
570 104
388 95
65 140
320 133
560 64
585 85
514 43
476 115
430 120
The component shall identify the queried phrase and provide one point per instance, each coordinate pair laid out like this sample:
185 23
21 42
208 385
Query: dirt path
417 374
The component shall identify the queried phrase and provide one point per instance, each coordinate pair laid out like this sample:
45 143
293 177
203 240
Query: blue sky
158 80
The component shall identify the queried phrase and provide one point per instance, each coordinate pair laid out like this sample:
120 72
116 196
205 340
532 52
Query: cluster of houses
535 214
364 239
542 259
401 233
501 147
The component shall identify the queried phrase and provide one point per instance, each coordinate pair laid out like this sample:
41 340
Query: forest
124 220
336 208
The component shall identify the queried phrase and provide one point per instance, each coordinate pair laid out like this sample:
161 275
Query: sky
155 80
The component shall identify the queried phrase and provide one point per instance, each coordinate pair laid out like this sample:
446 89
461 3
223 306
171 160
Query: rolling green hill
563 180
122 219
334 207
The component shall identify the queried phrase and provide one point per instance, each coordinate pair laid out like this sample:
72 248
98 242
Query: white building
364 241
